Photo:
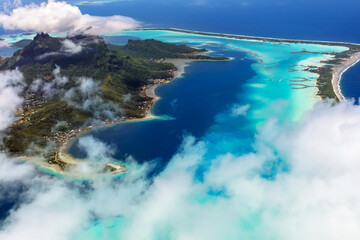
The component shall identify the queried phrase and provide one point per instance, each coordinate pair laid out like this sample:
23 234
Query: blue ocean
298 19
350 83
325 20
219 105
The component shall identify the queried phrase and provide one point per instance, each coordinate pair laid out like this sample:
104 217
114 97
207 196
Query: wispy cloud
71 47
86 96
11 86
8 5
4 44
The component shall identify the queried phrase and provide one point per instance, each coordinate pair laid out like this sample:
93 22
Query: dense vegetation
154 49
118 70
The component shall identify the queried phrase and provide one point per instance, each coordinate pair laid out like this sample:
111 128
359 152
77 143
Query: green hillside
117 71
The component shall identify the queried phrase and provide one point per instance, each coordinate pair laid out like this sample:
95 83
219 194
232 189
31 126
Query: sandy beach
339 71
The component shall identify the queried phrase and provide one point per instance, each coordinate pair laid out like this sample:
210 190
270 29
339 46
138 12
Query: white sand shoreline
339 71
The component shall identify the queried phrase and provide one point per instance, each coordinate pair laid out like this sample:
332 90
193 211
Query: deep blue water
326 20
300 19
218 82
194 101
350 83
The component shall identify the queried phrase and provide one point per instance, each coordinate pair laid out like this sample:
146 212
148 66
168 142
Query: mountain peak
42 35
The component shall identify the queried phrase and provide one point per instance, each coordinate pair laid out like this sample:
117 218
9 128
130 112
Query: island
76 83
329 74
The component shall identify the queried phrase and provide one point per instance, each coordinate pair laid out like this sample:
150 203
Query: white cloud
86 95
59 16
71 47
62 214
68 49
127 98
97 153
8 5
330 135
315 197
4 44
9 171
95 149
87 86
50 88
11 85
59 79
36 84
319 187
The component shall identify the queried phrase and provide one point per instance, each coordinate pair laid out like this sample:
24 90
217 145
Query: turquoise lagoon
220 103
204 99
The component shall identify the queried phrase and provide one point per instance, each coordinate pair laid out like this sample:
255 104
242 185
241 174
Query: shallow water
221 103
208 91
224 131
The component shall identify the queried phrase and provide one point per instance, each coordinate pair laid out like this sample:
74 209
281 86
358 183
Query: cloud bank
299 182
11 85
59 16
4 44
